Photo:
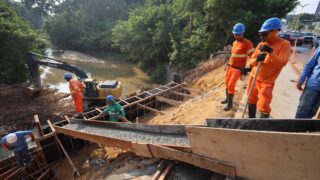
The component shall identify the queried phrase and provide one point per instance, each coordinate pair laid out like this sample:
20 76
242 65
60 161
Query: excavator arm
33 62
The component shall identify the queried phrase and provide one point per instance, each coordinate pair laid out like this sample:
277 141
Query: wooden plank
117 143
123 101
151 109
38 125
176 86
141 149
166 171
220 167
43 174
51 127
7 173
13 174
75 170
260 154
168 101
157 174
138 97
98 110
182 94
67 118
283 125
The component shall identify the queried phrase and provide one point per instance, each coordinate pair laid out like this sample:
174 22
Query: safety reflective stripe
238 55
75 86
250 51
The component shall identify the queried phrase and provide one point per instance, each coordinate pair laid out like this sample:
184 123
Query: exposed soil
18 106
207 104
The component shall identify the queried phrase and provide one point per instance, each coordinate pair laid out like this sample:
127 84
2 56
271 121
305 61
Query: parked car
284 35
308 38
316 42
296 36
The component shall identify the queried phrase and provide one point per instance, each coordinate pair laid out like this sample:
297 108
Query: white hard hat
11 138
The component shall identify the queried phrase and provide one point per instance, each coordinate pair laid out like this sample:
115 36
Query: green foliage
145 37
33 15
87 25
159 75
299 21
17 38
185 31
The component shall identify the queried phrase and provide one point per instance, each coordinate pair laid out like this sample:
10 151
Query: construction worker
76 90
242 48
114 110
17 143
273 53
310 98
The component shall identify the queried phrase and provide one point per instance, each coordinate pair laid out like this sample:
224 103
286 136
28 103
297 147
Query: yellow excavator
95 91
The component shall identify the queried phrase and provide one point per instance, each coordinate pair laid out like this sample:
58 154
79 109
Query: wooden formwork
151 101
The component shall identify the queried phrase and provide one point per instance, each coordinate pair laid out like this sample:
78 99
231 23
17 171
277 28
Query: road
285 94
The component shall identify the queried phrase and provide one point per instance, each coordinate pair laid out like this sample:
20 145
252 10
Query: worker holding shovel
114 110
270 56
242 48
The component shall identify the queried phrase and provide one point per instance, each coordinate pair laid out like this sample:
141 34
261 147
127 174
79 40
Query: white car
316 42
308 38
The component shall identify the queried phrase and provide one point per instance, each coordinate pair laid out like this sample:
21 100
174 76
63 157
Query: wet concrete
131 135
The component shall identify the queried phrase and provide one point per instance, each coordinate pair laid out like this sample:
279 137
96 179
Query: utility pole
302 6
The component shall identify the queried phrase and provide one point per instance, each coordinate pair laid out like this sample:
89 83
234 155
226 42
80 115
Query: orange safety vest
274 62
240 52
75 86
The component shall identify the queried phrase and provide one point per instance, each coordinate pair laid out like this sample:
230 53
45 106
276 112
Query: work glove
299 86
265 48
32 137
245 71
5 146
261 57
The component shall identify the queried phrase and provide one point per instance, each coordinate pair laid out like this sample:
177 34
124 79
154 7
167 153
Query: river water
104 67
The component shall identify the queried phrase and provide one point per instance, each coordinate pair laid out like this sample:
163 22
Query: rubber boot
264 115
252 109
226 100
230 103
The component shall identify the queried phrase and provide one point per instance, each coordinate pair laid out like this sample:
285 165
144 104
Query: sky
311 6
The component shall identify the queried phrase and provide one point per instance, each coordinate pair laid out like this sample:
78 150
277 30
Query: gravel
130 135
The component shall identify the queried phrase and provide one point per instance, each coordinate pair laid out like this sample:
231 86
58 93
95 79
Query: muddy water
104 67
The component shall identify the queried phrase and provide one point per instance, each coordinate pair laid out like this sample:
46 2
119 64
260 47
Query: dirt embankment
18 108
209 78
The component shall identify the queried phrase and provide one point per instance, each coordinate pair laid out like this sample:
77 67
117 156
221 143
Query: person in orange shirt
273 52
242 48
76 90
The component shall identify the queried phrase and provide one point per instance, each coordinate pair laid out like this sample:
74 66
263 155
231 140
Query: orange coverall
268 73
76 90
239 54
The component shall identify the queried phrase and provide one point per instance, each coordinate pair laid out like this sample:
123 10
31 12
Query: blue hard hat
109 98
271 24
67 76
238 29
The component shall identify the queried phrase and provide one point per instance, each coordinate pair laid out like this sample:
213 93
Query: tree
190 29
87 25
17 38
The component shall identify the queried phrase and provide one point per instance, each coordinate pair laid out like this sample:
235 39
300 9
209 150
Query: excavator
95 91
